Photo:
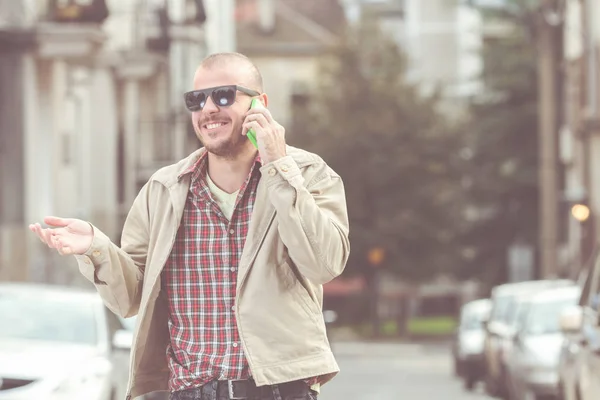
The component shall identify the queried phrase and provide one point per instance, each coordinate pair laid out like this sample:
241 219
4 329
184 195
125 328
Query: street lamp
580 212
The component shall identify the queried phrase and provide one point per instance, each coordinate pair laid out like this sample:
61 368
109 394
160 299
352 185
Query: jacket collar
177 173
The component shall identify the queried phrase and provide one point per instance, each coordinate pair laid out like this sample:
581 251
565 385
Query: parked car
499 330
467 346
59 343
569 360
532 365
580 359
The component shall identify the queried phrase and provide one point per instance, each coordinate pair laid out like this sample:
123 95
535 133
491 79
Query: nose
210 107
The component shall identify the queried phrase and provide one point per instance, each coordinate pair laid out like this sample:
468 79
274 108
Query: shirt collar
200 164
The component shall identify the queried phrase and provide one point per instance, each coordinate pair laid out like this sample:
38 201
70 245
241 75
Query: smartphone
251 134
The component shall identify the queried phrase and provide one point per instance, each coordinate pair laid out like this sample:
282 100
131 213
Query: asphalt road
392 371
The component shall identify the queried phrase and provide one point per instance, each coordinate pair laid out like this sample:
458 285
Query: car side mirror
122 339
571 319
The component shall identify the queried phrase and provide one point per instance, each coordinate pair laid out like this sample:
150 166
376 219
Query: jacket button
272 172
96 253
285 168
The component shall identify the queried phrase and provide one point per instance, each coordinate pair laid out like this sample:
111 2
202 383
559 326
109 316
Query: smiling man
224 254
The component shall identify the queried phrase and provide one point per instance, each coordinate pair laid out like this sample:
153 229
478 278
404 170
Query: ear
264 99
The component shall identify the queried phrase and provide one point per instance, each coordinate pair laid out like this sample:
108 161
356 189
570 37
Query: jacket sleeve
117 273
312 217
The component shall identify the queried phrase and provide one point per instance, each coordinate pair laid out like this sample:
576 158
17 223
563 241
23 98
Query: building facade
91 105
580 132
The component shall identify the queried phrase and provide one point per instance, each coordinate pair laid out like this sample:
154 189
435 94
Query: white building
88 109
433 33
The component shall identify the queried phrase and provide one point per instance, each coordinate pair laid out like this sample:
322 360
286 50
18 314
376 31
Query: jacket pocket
301 294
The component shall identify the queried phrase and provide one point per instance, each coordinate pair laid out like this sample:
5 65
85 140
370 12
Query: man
224 254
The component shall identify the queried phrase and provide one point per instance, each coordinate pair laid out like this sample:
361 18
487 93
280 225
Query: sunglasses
222 96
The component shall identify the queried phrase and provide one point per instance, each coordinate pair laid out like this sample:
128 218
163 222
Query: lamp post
582 213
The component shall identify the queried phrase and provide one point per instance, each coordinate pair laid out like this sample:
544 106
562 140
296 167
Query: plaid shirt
200 279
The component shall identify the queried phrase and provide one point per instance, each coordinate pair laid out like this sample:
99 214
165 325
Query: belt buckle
230 389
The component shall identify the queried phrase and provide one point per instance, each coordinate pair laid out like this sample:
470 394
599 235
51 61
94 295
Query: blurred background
467 133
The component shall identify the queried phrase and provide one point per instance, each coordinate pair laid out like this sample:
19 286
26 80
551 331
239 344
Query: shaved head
248 71
219 127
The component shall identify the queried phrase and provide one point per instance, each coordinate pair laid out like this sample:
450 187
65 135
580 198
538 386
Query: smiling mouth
213 125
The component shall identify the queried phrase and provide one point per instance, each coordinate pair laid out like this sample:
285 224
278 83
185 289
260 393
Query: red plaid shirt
200 279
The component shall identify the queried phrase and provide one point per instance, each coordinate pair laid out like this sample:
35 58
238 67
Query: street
390 371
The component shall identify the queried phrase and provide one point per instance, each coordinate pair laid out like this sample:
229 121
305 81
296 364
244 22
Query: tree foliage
504 168
394 150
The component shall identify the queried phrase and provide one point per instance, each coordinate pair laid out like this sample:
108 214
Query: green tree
394 149
504 143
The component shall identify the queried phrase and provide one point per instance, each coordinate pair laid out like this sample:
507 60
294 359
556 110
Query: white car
468 341
580 362
532 365
60 343
498 328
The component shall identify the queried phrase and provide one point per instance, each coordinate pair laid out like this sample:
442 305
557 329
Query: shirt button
231 232
232 269
232 308
234 345
272 172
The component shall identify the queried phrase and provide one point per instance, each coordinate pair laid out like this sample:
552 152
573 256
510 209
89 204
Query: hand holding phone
251 134
272 134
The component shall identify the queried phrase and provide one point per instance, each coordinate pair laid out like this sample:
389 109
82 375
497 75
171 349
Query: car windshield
472 317
501 308
512 311
543 318
471 321
35 316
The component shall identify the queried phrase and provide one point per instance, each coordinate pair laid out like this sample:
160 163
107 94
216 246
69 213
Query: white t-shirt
226 201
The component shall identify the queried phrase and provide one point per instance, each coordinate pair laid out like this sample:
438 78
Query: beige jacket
297 241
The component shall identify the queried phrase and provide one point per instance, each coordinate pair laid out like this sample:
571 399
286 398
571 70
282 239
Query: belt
246 388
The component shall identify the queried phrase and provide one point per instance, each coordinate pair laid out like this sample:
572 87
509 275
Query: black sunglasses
222 96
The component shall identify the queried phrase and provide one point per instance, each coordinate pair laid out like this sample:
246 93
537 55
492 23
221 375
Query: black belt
246 388
243 389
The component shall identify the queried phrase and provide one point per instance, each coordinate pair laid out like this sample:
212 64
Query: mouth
213 126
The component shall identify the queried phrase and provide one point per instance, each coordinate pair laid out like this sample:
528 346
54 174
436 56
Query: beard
228 146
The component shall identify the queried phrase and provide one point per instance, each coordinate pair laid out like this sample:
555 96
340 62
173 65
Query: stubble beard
230 147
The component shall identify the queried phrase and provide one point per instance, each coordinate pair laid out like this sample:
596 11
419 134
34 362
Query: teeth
214 126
